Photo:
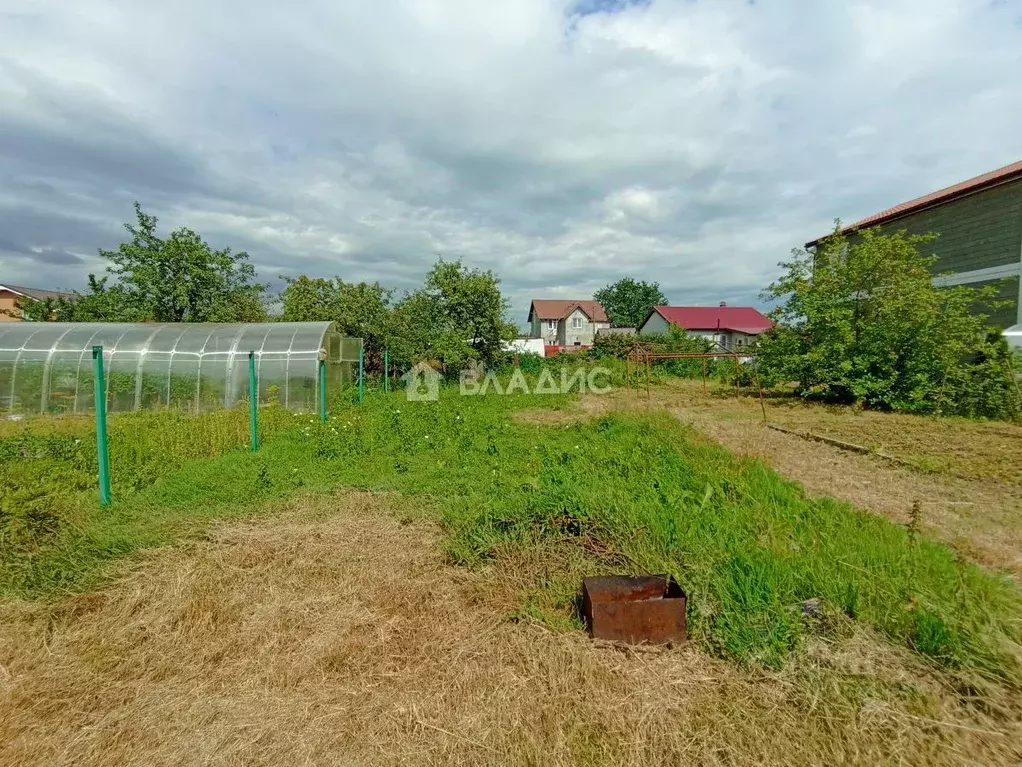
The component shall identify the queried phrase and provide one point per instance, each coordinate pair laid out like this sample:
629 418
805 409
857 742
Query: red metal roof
743 319
556 309
994 177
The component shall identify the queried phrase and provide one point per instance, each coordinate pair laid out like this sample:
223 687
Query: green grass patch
623 493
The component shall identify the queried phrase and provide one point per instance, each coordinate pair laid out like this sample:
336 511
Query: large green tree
177 279
627 301
861 321
456 317
360 310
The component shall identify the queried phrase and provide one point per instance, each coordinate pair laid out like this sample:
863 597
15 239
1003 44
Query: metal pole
102 447
647 379
759 385
322 391
386 370
361 373
253 402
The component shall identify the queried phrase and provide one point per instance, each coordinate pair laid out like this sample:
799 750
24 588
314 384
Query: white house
731 327
566 323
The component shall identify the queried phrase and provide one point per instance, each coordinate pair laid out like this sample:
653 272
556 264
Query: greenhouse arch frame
47 367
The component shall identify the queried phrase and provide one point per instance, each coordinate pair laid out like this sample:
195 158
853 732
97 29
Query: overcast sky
561 143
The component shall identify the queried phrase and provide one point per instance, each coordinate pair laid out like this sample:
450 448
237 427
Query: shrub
861 321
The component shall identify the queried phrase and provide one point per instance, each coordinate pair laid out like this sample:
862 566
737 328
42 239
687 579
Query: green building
979 228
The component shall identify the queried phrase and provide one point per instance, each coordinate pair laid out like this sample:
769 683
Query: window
576 323
551 324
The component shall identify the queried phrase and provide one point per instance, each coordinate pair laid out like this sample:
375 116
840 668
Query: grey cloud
561 143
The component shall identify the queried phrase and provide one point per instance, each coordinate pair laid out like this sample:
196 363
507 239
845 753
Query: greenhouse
48 367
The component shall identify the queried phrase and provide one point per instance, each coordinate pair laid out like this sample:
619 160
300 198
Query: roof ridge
945 194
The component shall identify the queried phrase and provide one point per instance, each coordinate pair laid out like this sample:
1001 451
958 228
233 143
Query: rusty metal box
634 609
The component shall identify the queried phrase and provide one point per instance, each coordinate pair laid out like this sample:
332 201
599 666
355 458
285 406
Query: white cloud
690 142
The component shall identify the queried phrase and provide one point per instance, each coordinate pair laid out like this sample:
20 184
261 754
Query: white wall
526 346
655 325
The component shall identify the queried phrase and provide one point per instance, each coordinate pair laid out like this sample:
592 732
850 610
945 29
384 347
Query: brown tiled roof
992 178
555 309
38 295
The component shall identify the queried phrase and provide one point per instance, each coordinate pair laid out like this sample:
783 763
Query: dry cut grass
336 634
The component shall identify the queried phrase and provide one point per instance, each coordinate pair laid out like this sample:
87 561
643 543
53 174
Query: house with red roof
731 327
566 322
978 223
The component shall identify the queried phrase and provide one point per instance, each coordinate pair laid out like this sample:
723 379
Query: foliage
673 341
101 302
861 321
456 317
360 310
633 491
178 279
613 345
627 302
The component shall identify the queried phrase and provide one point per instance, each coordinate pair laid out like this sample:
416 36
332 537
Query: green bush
862 322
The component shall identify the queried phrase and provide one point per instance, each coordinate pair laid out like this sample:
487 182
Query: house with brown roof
561 322
979 228
12 295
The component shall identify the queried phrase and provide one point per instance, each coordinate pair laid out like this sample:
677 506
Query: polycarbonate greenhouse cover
47 367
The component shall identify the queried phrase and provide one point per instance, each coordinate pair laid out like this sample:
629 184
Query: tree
456 317
627 302
861 321
469 309
360 310
99 303
180 279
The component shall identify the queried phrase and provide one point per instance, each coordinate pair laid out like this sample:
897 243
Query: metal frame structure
644 355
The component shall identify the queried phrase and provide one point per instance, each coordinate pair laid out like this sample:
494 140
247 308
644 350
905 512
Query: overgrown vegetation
625 492
860 321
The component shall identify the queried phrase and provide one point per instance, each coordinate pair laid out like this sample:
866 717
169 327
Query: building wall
981 231
569 335
8 307
1007 293
542 329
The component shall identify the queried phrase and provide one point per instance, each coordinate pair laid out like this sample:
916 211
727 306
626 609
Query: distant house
566 323
12 295
729 326
979 228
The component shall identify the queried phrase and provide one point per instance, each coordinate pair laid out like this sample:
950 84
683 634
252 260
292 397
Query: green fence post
386 370
361 373
102 448
322 391
253 402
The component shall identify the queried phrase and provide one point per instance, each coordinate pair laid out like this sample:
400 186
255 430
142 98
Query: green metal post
386 370
361 374
253 402
322 391
102 448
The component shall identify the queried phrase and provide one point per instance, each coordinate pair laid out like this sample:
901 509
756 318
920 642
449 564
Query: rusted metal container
634 609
